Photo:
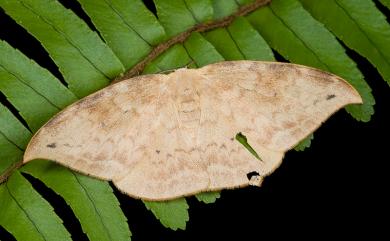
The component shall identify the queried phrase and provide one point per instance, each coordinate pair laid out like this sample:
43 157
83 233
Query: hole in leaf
51 145
252 174
329 97
61 208
243 140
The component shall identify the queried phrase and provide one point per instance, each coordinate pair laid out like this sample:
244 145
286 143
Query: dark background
335 189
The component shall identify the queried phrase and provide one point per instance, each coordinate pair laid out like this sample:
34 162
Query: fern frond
92 201
232 42
360 25
32 90
208 197
172 214
32 216
179 15
201 51
127 26
132 38
224 8
386 3
86 63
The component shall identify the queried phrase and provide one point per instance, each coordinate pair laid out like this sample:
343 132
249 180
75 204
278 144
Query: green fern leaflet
129 38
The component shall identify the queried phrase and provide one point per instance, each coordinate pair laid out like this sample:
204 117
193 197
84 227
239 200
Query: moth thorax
188 108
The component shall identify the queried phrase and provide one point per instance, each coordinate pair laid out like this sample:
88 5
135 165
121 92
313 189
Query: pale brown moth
160 137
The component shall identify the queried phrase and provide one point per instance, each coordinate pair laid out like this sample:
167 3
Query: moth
163 136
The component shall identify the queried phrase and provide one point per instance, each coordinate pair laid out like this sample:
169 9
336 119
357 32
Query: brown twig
203 27
10 170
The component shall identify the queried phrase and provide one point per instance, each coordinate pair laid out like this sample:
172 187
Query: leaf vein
190 57
93 204
192 13
109 3
66 37
237 3
30 87
202 27
300 39
25 212
364 33
6 137
235 43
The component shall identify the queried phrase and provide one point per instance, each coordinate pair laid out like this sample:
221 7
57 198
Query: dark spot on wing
330 97
52 145
158 151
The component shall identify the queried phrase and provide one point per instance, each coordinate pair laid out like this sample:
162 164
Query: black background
336 188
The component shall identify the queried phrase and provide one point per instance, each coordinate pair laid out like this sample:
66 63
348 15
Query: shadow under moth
159 137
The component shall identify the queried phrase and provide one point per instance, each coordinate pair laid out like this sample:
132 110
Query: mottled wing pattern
167 163
98 134
159 137
280 103
275 105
